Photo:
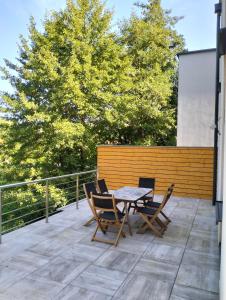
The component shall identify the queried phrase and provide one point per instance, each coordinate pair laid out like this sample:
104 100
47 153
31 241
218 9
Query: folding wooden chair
144 183
155 205
89 188
151 216
102 186
107 214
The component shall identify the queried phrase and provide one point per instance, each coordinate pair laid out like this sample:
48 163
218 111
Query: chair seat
111 216
153 204
146 198
146 210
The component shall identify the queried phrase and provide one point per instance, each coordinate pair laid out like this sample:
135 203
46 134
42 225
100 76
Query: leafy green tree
77 85
72 85
152 43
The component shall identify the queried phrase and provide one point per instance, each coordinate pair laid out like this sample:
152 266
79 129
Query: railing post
0 216
97 174
47 201
77 190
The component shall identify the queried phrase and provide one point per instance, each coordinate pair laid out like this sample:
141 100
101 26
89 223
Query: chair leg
102 227
150 225
89 221
95 232
128 223
168 219
141 226
161 224
123 234
120 231
130 204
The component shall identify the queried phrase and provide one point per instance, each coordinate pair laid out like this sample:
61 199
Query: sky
198 25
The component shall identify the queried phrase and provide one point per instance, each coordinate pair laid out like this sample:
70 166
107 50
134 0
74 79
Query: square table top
128 193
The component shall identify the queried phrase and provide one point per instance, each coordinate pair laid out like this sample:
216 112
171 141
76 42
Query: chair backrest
102 201
147 182
102 186
89 188
164 201
168 194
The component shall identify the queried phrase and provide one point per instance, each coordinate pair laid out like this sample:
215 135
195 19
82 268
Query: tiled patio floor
58 260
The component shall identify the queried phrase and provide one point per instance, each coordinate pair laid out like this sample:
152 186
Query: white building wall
196 96
221 186
222 165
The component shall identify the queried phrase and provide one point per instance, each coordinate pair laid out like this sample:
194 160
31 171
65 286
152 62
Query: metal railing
23 203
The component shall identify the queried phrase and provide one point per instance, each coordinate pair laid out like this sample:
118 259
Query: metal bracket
222 41
219 87
218 8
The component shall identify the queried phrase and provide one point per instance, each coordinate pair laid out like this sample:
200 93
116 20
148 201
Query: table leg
127 217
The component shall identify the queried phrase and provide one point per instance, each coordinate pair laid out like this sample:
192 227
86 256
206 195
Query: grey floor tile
205 223
176 234
71 292
132 245
42 260
28 239
85 229
60 270
205 203
161 270
49 248
206 234
68 236
4 296
18 245
47 229
203 244
27 261
198 258
206 211
82 252
9 250
118 260
146 238
87 241
146 288
188 293
100 280
173 297
164 253
9 276
29 289
199 276
188 203
182 218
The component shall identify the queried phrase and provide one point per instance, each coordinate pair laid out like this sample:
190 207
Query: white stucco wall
222 165
221 187
196 96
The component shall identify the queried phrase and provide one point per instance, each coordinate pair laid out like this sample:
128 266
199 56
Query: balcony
57 260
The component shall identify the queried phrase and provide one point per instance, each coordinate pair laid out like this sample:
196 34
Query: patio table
128 194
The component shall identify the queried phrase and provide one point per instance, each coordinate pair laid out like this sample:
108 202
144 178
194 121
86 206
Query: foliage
78 84
71 83
153 44
21 205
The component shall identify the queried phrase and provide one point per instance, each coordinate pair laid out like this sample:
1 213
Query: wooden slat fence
191 169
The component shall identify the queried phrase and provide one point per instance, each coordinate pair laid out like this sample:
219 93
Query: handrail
11 185
46 197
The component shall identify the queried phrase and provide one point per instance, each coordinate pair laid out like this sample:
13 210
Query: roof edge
197 51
